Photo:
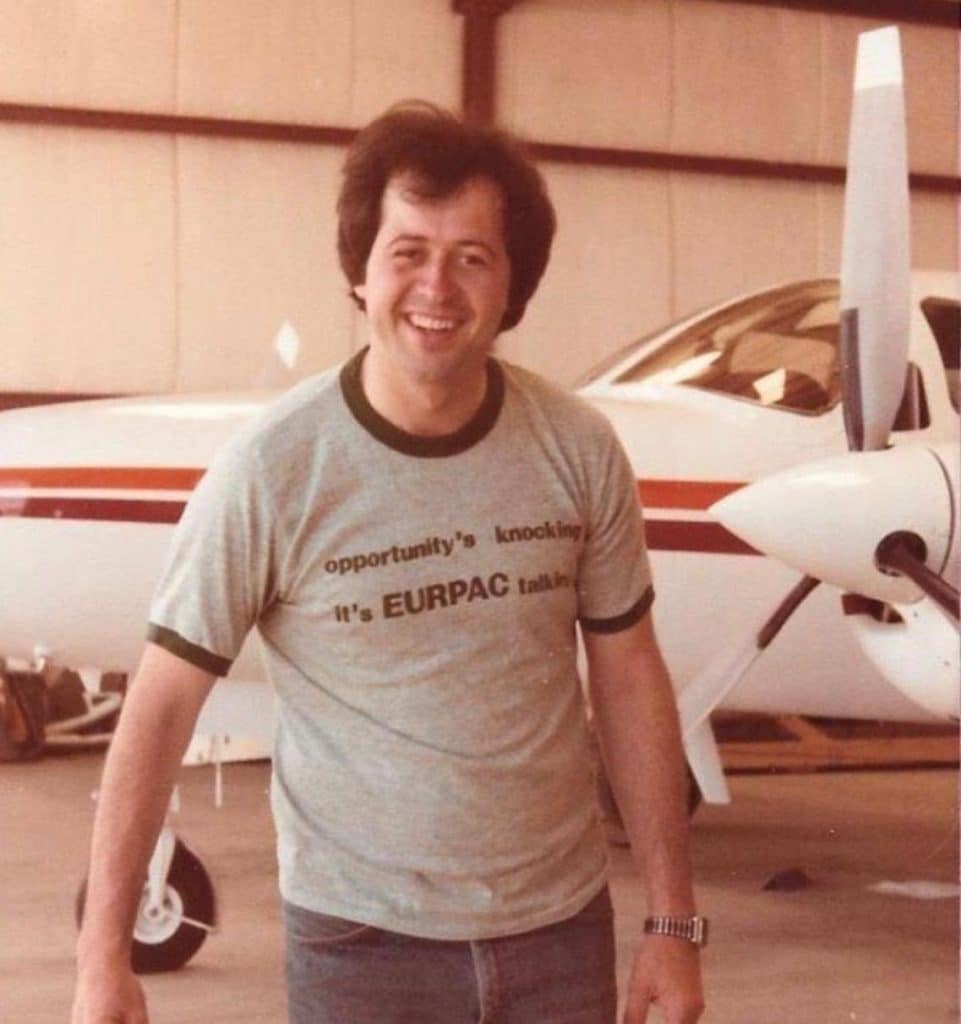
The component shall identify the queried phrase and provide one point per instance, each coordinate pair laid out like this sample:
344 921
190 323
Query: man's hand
108 995
667 974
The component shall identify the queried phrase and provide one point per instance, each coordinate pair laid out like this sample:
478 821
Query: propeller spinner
861 521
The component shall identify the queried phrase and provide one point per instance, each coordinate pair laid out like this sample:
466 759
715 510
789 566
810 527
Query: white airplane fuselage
90 492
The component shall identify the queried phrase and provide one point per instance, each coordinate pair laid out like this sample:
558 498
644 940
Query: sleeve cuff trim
197 656
621 622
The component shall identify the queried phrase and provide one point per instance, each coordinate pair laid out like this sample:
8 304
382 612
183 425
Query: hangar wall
156 261
639 248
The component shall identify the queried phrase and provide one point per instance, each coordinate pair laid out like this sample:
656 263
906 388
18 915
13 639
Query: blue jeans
341 972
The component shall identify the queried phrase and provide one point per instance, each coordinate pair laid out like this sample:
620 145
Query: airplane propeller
792 515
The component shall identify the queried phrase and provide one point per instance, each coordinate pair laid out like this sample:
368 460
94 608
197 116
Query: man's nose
436 278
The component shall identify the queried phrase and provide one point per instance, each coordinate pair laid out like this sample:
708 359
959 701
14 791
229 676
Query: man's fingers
638 1003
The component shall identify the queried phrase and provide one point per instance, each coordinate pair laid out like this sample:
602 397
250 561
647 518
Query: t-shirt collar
476 428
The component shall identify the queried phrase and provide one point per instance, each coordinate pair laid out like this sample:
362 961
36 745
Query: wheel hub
159 923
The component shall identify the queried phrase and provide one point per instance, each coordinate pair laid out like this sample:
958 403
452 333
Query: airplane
724 399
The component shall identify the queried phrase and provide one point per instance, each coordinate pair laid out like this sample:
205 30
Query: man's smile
428 322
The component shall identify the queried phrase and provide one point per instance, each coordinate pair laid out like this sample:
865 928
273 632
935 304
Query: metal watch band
693 929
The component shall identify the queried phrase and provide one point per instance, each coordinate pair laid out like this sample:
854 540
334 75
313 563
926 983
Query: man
415 535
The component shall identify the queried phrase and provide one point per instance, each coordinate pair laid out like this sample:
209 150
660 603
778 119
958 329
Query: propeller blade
875 257
704 760
710 686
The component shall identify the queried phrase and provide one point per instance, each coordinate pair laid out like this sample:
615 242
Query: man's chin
437 362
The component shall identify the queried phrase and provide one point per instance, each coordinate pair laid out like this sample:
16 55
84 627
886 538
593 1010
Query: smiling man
415 535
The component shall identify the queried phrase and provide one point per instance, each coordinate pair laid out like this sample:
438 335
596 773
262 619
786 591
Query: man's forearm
636 719
156 722
648 782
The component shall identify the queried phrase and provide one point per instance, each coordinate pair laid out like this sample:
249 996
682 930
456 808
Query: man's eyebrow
478 243
407 237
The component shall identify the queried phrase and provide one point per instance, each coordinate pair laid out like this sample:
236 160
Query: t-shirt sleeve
217 576
615 588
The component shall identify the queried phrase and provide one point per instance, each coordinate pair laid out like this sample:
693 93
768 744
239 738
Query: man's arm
635 715
157 720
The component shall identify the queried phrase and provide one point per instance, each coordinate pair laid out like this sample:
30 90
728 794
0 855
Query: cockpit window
778 349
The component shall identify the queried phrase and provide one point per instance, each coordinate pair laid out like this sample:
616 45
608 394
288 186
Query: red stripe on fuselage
683 535
662 534
696 495
134 478
111 510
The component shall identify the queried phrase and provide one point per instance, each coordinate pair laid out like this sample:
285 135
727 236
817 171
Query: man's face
436 281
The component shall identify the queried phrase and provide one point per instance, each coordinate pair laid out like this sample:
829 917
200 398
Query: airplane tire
165 942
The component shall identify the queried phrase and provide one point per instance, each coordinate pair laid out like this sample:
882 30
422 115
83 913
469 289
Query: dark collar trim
478 427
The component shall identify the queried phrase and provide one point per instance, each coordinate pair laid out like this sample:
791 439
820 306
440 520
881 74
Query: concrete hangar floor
863 927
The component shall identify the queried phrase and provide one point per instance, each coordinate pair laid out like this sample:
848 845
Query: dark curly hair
441 153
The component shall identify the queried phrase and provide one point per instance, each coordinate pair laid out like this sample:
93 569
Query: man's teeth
431 323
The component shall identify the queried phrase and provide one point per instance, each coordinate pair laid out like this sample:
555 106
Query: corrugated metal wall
145 260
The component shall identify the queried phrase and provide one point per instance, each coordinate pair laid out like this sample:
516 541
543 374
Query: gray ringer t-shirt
417 600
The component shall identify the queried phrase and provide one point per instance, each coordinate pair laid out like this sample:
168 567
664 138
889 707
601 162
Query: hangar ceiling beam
479 60
920 12
333 135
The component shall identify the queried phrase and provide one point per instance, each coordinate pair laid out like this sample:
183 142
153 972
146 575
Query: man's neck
423 407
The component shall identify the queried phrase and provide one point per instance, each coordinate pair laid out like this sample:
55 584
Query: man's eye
404 255
474 259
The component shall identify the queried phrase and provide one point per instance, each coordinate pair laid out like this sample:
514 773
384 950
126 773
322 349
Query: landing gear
177 908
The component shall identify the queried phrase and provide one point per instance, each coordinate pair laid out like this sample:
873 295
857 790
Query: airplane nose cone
827 518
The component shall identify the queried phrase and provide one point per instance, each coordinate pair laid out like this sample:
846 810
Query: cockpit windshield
777 349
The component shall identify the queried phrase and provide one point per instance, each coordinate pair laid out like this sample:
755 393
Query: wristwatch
694 929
